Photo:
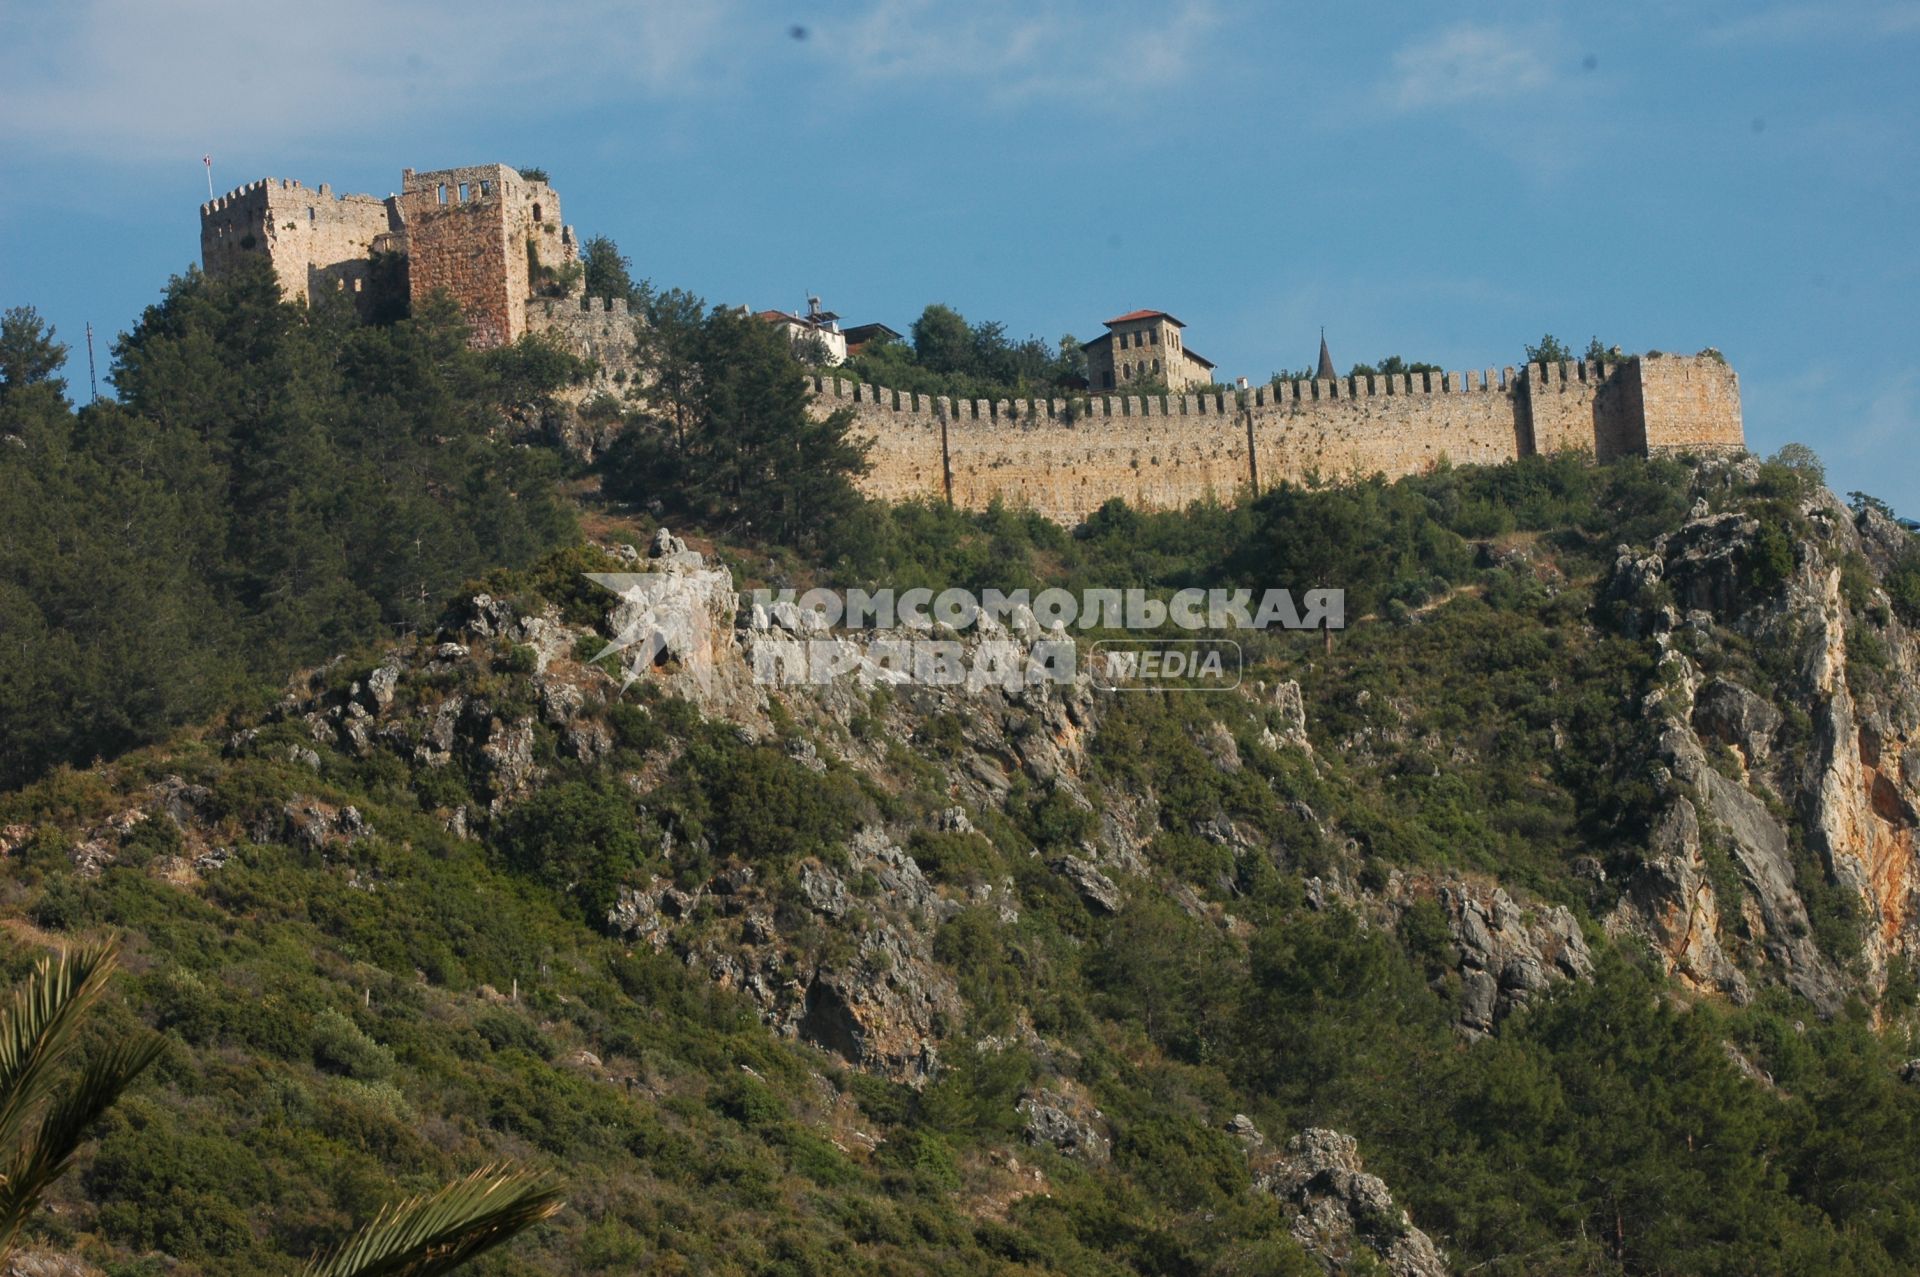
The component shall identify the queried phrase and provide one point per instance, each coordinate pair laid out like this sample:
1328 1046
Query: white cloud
1467 64
126 77
1014 52
1805 23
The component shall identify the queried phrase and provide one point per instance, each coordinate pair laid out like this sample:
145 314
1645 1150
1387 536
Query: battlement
1067 456
555 306
280 190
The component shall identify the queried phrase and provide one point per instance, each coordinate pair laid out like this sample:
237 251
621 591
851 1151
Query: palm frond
41 1027
47 1155
436 1233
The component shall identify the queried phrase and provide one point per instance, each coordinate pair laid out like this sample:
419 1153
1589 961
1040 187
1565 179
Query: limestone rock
1670 902
1727 712
381 686
46 1263
1505 952
1094 887
881 1012
824 890
1338 1207
1241 1127
508 756
1291 706
1067 1124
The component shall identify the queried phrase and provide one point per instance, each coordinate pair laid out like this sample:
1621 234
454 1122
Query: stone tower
1144 346
491 239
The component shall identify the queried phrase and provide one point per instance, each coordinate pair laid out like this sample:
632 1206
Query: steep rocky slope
1043 912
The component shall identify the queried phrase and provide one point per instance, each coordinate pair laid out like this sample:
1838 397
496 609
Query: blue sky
1444 183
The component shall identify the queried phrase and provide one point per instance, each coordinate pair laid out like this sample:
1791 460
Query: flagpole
208 161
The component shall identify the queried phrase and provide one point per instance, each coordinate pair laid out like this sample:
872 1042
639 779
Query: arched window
536 212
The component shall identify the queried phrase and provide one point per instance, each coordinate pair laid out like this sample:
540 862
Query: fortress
492 238
489 236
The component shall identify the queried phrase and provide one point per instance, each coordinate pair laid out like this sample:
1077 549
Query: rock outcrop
1339 1209
1829 749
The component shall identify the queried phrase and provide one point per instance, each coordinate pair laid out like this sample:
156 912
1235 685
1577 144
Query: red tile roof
1132 315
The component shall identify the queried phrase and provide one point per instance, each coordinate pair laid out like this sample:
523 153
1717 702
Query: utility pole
93 382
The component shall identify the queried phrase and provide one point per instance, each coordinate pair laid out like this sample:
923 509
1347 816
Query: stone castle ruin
489 236
493 239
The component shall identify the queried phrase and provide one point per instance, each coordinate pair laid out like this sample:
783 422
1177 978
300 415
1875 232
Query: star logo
656 622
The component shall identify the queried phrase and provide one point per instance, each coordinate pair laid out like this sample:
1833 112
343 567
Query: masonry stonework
489 237
317 241
1689 404
1066 458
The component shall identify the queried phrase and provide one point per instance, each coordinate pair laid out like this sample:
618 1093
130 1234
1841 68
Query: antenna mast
93 382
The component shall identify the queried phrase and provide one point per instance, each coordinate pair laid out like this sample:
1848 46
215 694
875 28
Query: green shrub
339 1046
1903 585
580 837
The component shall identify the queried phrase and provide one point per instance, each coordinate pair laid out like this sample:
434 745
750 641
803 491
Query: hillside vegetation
1555 918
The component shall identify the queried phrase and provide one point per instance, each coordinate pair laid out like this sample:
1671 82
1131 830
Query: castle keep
489 236
1065 458
493 239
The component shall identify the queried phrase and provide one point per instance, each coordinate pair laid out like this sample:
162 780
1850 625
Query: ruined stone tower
491 239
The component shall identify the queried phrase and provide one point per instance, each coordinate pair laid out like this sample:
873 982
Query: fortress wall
315 239
1619 418
594 328
1066 458
1062 458
1558 404
907 443
1690 404
1586 406
1404 424
1153 452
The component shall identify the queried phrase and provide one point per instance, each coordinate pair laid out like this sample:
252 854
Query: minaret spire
1325 371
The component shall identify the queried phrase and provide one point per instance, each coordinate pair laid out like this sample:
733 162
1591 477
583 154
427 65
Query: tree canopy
723 433
275 484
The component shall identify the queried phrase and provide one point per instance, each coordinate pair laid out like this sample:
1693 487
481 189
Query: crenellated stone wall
597 329
317 241
1065 458
495 241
